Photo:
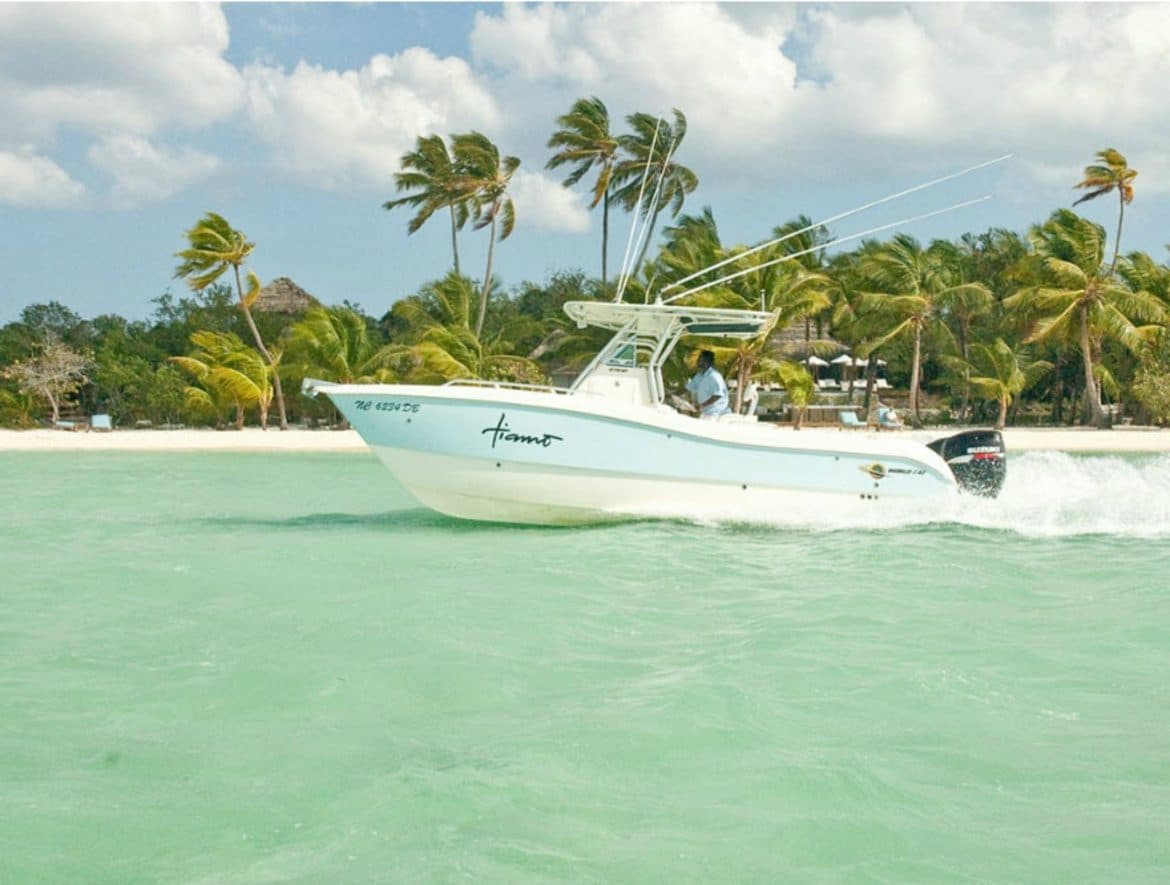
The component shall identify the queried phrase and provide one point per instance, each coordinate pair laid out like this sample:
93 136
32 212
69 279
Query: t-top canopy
658 319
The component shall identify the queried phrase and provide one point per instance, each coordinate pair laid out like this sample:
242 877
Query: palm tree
1112 173
648 153
692 245
429 171
444 346
1001 374
228 373
334 343
214 247
482 177
585 141
914 288
800 386
1144 274
962 308
1078 301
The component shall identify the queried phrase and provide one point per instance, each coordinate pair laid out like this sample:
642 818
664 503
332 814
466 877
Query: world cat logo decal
875 470
503 433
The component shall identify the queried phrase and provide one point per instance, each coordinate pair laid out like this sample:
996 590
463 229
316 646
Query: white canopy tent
847 360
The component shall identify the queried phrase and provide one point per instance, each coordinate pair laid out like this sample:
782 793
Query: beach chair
850 420
101 423
828 384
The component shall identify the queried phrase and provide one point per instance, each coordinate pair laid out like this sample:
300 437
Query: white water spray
1047 494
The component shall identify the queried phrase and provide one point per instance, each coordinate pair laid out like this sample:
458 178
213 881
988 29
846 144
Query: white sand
1126 439
250 439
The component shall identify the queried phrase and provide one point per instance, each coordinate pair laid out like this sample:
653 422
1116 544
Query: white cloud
145 173
338 128
546 204
733 83
896 86
106 68
29 180
535 42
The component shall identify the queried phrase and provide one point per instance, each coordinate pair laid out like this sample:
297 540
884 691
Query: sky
121 124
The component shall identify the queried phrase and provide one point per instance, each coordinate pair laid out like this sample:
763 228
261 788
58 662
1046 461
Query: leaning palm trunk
487 282
263 350
1117 242
915 372
455 241
1092 397
1003 407
604 239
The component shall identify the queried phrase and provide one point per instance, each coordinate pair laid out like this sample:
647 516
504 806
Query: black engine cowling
977 458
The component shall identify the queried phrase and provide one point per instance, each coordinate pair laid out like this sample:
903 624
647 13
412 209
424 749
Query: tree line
1056 324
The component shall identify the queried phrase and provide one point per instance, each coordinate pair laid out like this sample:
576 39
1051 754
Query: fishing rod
864 233
842 215
641 190
645 233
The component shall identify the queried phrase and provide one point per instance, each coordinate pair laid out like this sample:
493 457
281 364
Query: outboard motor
977 458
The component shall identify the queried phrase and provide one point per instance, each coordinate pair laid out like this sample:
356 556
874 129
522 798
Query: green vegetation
995 326
214 247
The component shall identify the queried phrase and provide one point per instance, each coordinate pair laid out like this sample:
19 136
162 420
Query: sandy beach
1063 439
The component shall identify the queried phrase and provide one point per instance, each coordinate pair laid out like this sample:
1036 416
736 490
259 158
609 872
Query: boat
611 447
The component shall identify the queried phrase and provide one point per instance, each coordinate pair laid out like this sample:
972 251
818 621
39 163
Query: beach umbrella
815 363
842 360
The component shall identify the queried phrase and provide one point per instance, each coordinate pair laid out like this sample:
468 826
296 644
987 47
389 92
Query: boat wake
1047 494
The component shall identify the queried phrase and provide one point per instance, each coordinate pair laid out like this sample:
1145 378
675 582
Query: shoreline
252 439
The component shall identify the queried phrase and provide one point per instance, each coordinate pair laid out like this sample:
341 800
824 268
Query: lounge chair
850 419
101 423
828 384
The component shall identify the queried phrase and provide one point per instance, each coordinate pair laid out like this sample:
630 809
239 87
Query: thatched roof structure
282 295
800 340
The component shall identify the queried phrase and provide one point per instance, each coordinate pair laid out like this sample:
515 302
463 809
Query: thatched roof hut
282 295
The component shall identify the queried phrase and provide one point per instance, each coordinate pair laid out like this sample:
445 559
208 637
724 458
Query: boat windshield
630 364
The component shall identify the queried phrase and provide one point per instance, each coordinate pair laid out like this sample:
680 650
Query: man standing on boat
709 388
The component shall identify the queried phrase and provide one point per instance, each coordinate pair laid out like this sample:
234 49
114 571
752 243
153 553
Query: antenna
842 215
864 233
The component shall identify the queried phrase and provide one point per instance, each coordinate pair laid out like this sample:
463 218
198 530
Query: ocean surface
253 668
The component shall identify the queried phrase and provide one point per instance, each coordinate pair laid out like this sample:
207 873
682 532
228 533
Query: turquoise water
227 668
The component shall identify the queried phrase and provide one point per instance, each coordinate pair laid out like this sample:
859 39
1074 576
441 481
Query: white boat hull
540 458
471 488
